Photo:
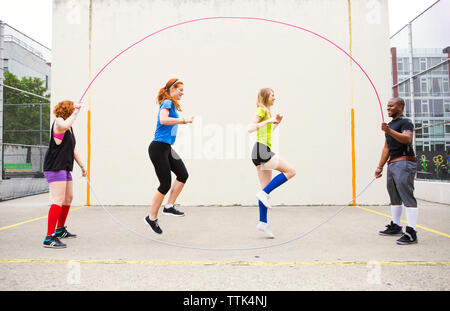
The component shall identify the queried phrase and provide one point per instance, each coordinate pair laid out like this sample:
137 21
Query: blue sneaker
64 234
52 241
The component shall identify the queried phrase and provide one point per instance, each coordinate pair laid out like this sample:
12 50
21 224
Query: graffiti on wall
433 165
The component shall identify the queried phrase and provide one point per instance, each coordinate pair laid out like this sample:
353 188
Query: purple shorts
58 176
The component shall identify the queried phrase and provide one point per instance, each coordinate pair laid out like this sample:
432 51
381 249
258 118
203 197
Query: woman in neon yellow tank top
263 158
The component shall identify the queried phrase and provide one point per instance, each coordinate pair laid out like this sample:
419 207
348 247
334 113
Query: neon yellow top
264 134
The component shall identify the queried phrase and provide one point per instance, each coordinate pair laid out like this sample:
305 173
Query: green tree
21 111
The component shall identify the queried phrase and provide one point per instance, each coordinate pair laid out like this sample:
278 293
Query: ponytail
164 93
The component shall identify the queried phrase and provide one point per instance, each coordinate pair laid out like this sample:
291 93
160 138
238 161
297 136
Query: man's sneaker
153 225
410 237
392 229
171 210
52 241
64 234
264 198
264 227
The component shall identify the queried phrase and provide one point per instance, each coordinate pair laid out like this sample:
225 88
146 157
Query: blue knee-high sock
275 183
262 212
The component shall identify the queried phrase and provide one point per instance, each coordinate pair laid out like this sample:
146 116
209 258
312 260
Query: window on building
407 108
438 130
5 64
447 107
425 108
406 84
438 107
417 87
417 107
445 66
433 61
419 146
445 85
423 64
400 65
436 86
416 65
438 146
406 65
426 130
418 131
423 86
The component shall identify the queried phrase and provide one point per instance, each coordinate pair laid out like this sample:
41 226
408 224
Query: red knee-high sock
53 215
63 215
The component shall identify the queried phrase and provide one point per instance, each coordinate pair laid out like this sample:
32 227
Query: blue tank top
167 133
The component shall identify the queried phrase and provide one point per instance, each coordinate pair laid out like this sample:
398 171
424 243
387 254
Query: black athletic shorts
261 154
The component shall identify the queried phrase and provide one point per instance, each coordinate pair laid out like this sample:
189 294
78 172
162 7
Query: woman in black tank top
58 165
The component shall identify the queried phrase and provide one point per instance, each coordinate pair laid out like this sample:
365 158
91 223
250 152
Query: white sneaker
264 198
264 227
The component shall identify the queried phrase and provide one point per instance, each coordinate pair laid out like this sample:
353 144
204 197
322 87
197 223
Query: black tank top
60 157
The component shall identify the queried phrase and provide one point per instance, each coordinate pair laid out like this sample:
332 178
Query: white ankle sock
411 216
396 211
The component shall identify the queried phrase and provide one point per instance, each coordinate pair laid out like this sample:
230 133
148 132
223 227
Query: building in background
22 164
25 57
420 54
431 96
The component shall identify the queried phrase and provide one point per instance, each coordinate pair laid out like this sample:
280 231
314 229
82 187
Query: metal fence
23 161
420 73
22 173
34 128
24 113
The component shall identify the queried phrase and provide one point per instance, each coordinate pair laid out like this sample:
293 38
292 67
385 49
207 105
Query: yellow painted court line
360 207
404 221
230 263
35 219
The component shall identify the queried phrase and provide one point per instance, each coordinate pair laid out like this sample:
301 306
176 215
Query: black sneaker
154 225
392 229
52 241
64 234
172 211
410 237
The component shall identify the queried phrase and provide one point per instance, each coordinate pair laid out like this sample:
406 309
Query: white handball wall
223 64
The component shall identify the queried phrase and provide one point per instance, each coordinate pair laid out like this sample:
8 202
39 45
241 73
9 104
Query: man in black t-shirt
399 154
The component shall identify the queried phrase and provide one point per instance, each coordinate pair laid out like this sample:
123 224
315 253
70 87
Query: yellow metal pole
352 86
88 191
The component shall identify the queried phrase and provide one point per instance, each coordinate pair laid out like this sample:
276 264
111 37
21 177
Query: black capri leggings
165 160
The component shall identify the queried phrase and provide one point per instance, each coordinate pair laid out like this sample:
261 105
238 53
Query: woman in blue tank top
164 158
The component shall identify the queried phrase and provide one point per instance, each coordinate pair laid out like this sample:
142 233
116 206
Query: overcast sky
34 17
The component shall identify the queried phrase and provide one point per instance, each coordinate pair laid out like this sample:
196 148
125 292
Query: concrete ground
346 253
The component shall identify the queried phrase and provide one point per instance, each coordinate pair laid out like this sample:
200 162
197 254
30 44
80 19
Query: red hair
63 109
164 93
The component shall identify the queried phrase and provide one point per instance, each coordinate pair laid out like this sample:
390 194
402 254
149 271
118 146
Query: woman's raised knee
290 173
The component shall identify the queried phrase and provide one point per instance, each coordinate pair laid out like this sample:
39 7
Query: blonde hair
263 100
